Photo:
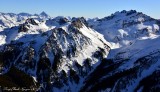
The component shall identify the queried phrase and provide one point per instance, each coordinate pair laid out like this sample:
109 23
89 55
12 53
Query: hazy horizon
73 8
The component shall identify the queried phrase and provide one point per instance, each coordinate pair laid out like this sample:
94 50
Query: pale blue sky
86 8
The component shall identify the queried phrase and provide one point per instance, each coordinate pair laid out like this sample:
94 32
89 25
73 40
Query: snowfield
117 53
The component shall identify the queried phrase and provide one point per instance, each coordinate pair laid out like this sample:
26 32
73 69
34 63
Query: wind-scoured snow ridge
122 28
58 53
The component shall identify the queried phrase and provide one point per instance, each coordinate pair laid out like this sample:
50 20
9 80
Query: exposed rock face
58 58
57 21
125 25
158 22
63 21
109 76
31 21
43 14
16 79
65 54
131 12
26 26
134 58
77 23
23 28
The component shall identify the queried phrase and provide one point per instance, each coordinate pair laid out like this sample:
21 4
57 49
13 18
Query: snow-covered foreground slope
128 69
58 53
64 54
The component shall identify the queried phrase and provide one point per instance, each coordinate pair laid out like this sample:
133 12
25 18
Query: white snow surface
37 36
126 41
130 42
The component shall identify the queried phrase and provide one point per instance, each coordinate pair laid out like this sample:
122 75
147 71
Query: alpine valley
117 53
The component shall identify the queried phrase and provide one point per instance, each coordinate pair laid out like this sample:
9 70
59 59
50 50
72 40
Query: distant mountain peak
44 14
24 14
125 11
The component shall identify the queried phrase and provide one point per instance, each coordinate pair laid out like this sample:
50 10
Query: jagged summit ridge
125 25
48 52
69 54
134 57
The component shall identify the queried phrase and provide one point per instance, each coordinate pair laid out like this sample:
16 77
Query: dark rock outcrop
31 21
23 28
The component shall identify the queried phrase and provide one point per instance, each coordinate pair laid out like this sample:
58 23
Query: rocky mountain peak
44 14
55 56
78 22
69 54
31 21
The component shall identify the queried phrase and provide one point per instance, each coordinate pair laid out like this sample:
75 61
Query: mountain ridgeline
118 53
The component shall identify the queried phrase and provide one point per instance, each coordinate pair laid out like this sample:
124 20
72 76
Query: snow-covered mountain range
117 53
8 20
133 62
